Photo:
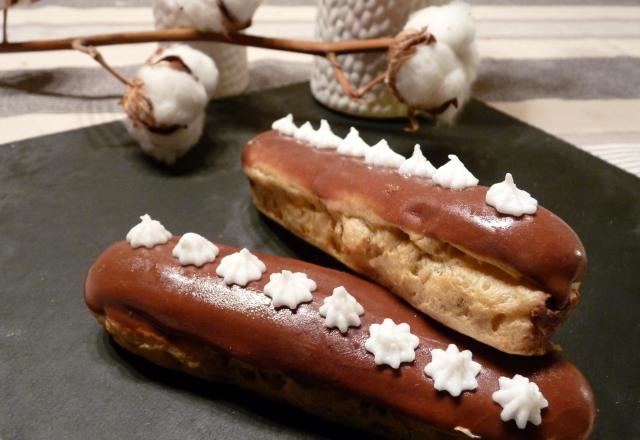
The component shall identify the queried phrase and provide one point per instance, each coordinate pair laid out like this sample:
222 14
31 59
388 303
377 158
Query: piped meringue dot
353 145
194 249
454 175
521 400
508 199
341 310
452 370
305 133
417 165
324 137
240 268
148 233
391 344
289 289
381 155
285 125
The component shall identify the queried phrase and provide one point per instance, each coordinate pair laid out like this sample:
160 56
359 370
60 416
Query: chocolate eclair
156 303
507 281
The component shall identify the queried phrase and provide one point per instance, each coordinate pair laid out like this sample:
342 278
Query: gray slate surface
65 197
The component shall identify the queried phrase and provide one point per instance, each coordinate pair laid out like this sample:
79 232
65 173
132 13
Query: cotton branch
398 48
87 44
96 55
189 34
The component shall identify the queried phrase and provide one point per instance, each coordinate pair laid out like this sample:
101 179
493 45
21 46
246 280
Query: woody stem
189 34
5 16
96 55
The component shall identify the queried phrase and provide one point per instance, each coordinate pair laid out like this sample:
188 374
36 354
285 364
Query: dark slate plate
64 198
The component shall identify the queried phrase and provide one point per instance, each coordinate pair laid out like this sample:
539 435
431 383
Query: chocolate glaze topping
541 247
195 302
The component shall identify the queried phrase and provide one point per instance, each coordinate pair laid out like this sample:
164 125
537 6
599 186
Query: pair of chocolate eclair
345 348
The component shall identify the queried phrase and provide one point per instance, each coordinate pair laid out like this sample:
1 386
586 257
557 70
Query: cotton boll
470 59
200 65
165 104
204 15
176 97
168 147
451 24
455 85
432 76
449 116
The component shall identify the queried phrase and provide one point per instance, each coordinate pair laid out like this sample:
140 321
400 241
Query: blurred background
569 67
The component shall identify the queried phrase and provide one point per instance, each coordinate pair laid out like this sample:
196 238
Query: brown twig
88 45
414 125
344 81
371 84
96 55
340 76
5 16
189 34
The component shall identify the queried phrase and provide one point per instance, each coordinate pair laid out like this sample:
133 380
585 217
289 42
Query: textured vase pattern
357 19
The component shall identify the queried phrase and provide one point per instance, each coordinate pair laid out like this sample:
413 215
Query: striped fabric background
569 67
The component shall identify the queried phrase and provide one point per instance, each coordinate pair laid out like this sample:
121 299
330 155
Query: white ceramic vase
232 65
338 20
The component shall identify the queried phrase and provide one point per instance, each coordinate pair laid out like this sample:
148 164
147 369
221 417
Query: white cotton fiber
432 76
242 10
201 66
445 69
203 15
168 147
176 96
451 24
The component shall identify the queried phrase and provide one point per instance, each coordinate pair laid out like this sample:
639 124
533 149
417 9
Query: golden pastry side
464 293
